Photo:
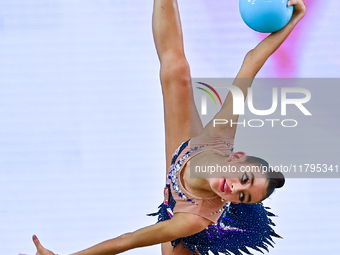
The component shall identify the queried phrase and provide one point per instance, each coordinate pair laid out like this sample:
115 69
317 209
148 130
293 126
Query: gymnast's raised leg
176 87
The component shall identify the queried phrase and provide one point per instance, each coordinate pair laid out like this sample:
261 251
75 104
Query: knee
176 74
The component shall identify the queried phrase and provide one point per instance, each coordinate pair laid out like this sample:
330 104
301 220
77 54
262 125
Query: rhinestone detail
223 208
174 170
228 145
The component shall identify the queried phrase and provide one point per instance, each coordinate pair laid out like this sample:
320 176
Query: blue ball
265 16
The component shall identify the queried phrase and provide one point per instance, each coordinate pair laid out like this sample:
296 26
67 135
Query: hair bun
279 179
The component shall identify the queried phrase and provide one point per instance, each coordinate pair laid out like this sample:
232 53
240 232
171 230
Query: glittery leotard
237 226
209 208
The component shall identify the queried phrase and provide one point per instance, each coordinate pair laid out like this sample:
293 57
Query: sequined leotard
237 226
209 208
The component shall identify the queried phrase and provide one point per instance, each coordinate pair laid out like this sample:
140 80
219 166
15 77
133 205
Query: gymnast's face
241 187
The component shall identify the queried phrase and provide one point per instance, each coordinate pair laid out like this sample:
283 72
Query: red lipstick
224 187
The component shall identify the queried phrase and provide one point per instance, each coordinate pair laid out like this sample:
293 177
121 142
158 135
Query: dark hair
275 179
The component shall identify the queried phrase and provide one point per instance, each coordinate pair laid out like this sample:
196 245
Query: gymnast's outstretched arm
181 225
253 62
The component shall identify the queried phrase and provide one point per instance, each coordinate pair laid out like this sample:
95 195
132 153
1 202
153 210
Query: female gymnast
196 215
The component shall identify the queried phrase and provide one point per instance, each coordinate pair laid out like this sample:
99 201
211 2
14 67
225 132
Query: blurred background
81 119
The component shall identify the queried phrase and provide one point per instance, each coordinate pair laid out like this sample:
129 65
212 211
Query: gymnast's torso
209 207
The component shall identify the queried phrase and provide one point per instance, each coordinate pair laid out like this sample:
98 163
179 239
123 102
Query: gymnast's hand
299 8
40 249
